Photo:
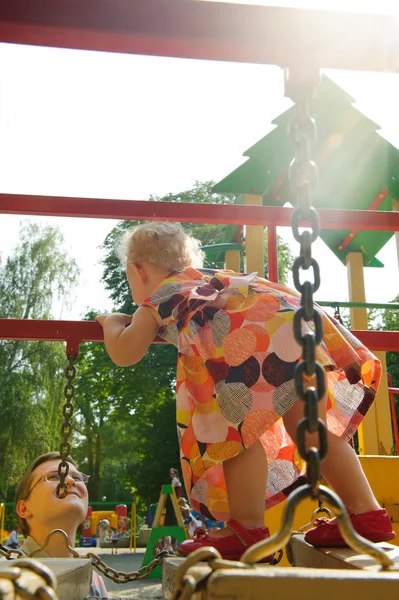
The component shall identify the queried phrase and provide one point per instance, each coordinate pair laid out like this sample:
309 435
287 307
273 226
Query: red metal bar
392 391
373 206
207 30
91 331
272 256
226 214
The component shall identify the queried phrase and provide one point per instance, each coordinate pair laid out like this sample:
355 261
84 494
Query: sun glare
378 7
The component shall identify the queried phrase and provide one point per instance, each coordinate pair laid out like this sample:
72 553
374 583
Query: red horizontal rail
226 214
207 30
75 332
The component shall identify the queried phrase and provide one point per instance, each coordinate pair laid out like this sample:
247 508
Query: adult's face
42 507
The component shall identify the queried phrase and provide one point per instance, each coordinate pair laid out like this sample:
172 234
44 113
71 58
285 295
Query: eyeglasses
54 477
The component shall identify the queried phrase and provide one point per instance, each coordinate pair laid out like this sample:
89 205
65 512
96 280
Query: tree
31 373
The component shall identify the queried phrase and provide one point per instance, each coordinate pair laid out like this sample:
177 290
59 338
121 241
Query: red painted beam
75 332
207 30
226 214
272 254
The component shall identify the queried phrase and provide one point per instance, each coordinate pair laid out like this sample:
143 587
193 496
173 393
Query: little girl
237 409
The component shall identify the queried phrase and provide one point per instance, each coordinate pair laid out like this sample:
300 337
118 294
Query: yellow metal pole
2 517
375 433
131 529
254 241
383 411
367 432
232 260
134 515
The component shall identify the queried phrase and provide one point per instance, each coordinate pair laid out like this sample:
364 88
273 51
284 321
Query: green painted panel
157 533
250 177
354 162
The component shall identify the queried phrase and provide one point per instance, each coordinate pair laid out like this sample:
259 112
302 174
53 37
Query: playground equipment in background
164 537
117 519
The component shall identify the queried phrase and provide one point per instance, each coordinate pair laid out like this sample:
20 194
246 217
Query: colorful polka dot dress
236 360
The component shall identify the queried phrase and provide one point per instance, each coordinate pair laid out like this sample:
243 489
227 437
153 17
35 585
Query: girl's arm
127 345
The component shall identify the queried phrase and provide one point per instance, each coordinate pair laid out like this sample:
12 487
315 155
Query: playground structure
206 30
91 527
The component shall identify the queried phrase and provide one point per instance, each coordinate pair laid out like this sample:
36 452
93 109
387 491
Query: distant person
191 522
176 483
104 529
40 511
115 537
12 541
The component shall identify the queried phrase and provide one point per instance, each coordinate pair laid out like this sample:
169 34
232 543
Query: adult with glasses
40 511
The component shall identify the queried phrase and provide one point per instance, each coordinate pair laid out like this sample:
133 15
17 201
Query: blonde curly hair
163 244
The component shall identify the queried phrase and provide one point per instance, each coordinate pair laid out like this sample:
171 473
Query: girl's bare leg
246 478
341 468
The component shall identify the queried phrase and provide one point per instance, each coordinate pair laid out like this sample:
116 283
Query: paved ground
127 561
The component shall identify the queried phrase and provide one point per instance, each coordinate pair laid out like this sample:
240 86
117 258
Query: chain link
46 584
100 565
303 179
121 576
337 313
8 554
66 427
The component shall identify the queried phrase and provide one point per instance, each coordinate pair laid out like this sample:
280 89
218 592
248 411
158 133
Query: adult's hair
175 471
26 482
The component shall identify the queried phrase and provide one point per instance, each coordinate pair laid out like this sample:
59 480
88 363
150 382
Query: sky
88 124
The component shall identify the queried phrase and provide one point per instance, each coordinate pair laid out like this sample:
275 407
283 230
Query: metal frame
207 30
76 332
202 30
226 214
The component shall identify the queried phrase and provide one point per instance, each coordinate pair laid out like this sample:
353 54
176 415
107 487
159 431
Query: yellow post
2 517
232 260
131 529
367 432
375 434
254 241
383 411
134 515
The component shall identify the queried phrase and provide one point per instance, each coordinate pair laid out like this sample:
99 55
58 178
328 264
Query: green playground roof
358 169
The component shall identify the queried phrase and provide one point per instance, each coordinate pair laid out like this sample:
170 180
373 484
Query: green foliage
31 373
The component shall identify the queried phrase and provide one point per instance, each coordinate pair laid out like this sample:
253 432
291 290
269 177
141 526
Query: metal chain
303 179
8 554
337 313
100 565
66 427
45 588
121 576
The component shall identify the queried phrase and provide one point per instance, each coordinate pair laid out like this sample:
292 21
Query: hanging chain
337 314
66 427
303 179
45 585
100 565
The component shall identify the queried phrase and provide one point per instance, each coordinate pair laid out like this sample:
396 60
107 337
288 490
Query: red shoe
374 526
231 547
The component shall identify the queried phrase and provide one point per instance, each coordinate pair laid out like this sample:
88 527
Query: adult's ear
22 510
